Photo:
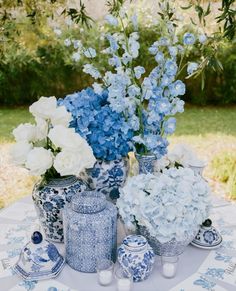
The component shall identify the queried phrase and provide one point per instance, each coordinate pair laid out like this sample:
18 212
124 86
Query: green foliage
228 18
223 168
220 84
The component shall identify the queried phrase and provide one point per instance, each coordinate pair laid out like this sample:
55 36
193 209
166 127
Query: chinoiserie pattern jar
50 200
146 163
90 226
108 176
136 257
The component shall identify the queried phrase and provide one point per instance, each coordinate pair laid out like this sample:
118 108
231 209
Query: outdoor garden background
36 62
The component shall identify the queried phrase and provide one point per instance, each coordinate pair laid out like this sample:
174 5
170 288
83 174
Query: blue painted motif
50 201
146 163
39 261
217 273
222 257
136 257
205 284
108 176
90 231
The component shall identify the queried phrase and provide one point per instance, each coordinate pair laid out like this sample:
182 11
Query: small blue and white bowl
208 237
39 260
136 257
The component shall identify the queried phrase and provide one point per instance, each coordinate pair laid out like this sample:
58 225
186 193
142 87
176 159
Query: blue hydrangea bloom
106 131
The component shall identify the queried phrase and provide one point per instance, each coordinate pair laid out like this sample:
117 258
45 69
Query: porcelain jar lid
39 259
88 202
135 242
208 236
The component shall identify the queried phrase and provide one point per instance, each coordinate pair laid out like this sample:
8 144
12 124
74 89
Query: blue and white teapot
136 257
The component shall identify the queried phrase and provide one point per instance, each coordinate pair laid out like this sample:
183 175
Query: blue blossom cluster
148 102
105 130
171 205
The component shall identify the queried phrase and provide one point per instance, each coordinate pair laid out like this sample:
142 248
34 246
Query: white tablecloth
189 262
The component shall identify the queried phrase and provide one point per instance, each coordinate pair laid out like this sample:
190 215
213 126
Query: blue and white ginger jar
50 200
108 176
136 257
90 227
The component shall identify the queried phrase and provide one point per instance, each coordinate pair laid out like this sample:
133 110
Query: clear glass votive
169 266
105 272
124 279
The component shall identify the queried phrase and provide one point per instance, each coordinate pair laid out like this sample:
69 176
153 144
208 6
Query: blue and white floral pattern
108 176
51 199
90 224
136 257
205 284
217 273
207 237
146 163
39 261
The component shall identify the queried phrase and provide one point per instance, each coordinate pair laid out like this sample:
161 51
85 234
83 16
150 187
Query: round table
189 261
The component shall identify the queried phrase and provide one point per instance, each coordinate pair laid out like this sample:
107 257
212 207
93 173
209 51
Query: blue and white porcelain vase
146 163
90 227
136 257
108 176
50 200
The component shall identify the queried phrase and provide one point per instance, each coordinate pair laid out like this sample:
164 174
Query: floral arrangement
106 131
181 156
146 99
169 205
50 148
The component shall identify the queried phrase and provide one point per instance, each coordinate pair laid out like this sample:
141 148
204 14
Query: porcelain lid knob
36 237
207 223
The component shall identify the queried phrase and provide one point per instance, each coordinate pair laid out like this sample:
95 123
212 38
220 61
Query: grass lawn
195 121
208 130
10 118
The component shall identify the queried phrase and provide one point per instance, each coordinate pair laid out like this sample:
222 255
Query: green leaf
186 7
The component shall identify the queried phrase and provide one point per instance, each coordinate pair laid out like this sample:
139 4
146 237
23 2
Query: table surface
189 261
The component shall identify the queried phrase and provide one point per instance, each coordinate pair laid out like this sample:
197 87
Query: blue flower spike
36 237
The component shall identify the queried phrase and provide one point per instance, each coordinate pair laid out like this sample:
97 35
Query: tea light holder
124 280
169 266
105 272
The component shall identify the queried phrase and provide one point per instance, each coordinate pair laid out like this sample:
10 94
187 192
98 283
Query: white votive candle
105 277
168 270
123 284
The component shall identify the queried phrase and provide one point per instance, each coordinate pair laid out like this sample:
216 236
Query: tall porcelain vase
50 200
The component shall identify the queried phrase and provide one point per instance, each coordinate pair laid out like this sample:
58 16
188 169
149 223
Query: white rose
25 132
41 128
67 138
39 160
44 107
71 162
19 152
62 137
61 116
